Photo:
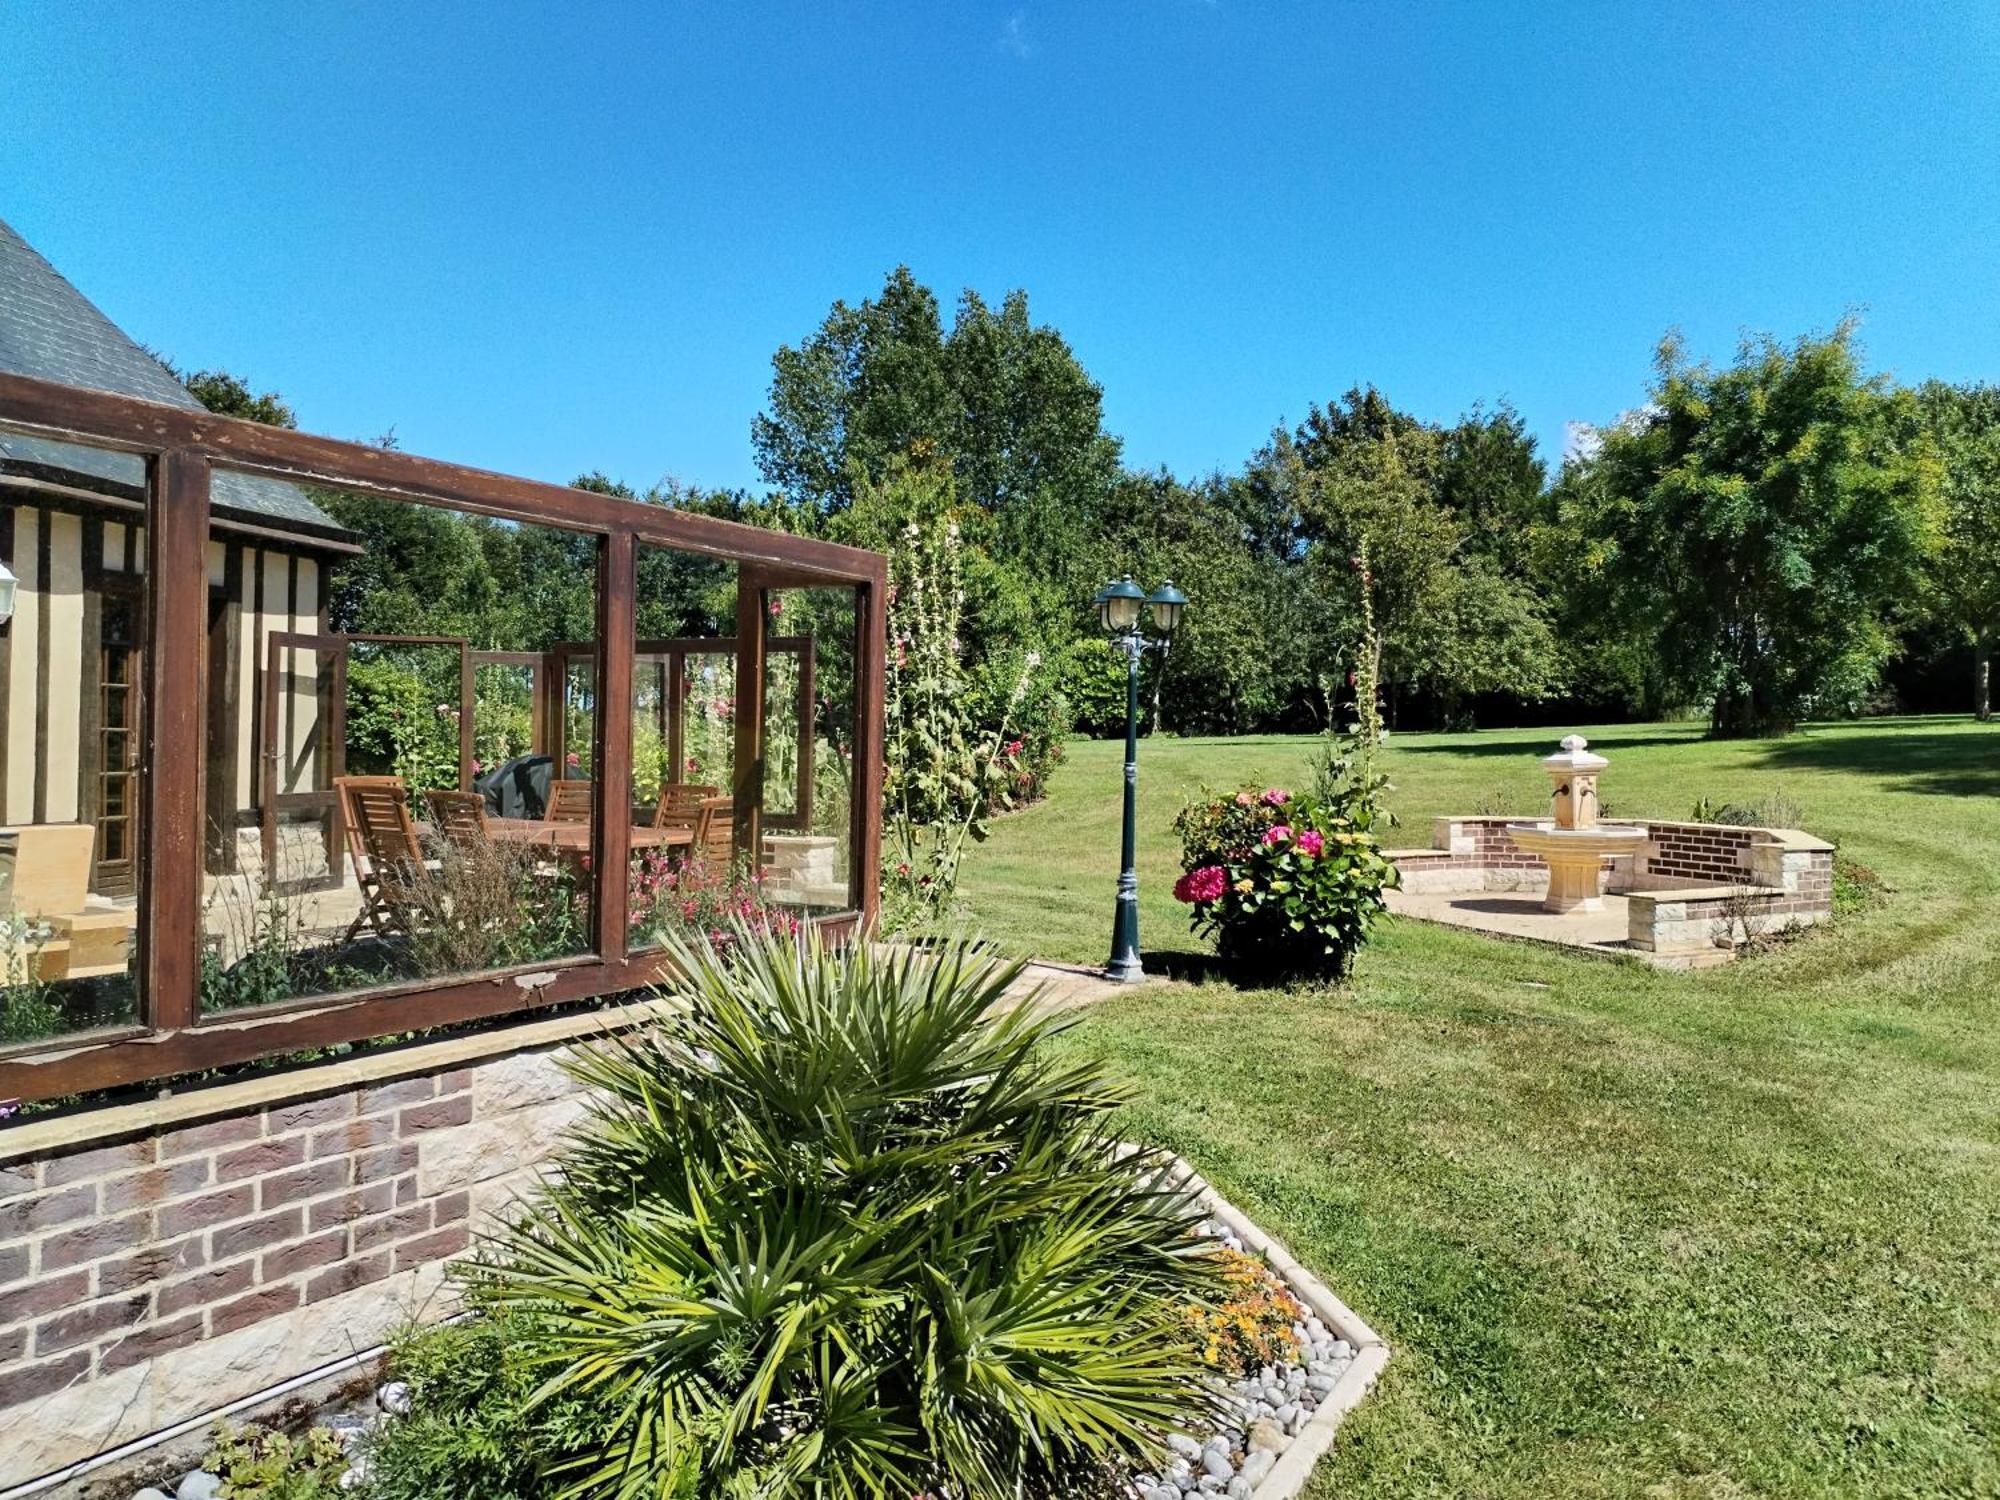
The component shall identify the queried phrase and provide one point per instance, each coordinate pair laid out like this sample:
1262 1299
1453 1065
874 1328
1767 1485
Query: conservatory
310 742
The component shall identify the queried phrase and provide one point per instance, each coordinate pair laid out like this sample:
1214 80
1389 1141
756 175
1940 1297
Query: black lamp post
1118 607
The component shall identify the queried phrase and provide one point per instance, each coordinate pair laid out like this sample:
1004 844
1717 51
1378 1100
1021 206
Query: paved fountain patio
1521 915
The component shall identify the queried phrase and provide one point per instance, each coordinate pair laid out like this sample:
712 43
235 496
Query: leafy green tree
1231 666
1964 579
229 396
1417 499
869 384
1494 483
1761 526
1030 447
1002 400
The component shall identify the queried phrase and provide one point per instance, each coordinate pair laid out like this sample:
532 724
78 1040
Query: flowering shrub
1285 885
956 748
693 899
1250 1324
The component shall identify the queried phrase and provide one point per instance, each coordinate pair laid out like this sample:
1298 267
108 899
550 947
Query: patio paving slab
1521 916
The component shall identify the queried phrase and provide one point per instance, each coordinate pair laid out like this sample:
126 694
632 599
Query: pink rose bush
1286 886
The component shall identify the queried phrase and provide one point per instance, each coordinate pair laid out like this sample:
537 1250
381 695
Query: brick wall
1697 853
1478 854
148 1278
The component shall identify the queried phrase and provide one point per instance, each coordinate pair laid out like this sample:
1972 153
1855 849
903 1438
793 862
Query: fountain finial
1573 776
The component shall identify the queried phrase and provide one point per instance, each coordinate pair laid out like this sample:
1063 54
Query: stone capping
1790 838
1294 1467
108 1122
1668 894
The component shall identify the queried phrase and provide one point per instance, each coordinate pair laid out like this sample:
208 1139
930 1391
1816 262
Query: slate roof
51 331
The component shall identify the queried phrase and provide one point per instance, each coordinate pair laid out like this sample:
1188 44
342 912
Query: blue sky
550 238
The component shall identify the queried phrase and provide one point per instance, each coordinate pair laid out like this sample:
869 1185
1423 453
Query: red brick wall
1702 853
112 1254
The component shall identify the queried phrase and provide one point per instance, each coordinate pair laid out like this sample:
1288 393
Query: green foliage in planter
468 1431
255 1463
1286 886
841 1228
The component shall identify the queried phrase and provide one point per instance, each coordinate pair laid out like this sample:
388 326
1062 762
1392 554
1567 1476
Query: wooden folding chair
680 804
715 835
460 817
382 842
569 802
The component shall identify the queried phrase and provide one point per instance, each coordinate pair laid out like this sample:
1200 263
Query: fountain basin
1575 857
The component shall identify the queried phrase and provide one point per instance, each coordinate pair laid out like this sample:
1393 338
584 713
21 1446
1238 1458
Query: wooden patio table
575 837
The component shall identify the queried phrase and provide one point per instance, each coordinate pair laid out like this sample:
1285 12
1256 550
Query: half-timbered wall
49 659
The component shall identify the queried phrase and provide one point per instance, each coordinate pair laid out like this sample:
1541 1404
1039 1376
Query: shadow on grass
1962 764
1186 967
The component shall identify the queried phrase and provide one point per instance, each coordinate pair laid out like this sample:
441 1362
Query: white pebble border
1287 1476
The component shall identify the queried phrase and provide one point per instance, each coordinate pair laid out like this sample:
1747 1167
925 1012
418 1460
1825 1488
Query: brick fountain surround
1684 896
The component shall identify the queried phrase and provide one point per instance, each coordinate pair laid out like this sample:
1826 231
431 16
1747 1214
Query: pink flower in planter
1311 844
1277 835
1244 799
1204 884
1276 796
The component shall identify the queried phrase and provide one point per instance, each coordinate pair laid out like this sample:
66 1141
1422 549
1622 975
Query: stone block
517 1082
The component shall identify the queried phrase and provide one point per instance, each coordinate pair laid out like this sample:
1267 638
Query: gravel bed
1262 1413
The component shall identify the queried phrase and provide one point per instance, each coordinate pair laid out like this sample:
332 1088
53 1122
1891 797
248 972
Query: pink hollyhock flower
1013 747
1311 844
1244 799
572 759
1276 835
1276 796
1204 884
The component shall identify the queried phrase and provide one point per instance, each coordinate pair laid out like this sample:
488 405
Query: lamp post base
1125 966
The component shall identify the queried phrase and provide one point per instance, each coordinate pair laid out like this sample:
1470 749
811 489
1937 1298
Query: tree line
1782 537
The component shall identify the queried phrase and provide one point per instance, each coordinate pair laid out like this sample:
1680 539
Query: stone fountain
1573 843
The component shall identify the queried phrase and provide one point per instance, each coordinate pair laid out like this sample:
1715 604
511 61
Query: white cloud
1580 441
1014 35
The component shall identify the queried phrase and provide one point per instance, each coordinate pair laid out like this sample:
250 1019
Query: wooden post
612 843
176 617
871 646
465 706
748 791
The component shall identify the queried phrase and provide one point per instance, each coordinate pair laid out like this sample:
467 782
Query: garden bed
1339 1358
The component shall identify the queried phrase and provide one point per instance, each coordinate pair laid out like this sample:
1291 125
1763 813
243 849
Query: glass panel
387 793
579 716
72 759
708 699
807 854
506 711
685 876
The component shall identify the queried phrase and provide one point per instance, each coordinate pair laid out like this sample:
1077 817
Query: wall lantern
9 584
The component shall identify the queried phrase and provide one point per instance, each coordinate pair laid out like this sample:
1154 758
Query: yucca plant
843 1227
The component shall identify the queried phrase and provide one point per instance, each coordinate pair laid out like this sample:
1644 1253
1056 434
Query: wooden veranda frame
181 448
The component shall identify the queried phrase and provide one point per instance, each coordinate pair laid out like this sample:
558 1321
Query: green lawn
1629 1233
